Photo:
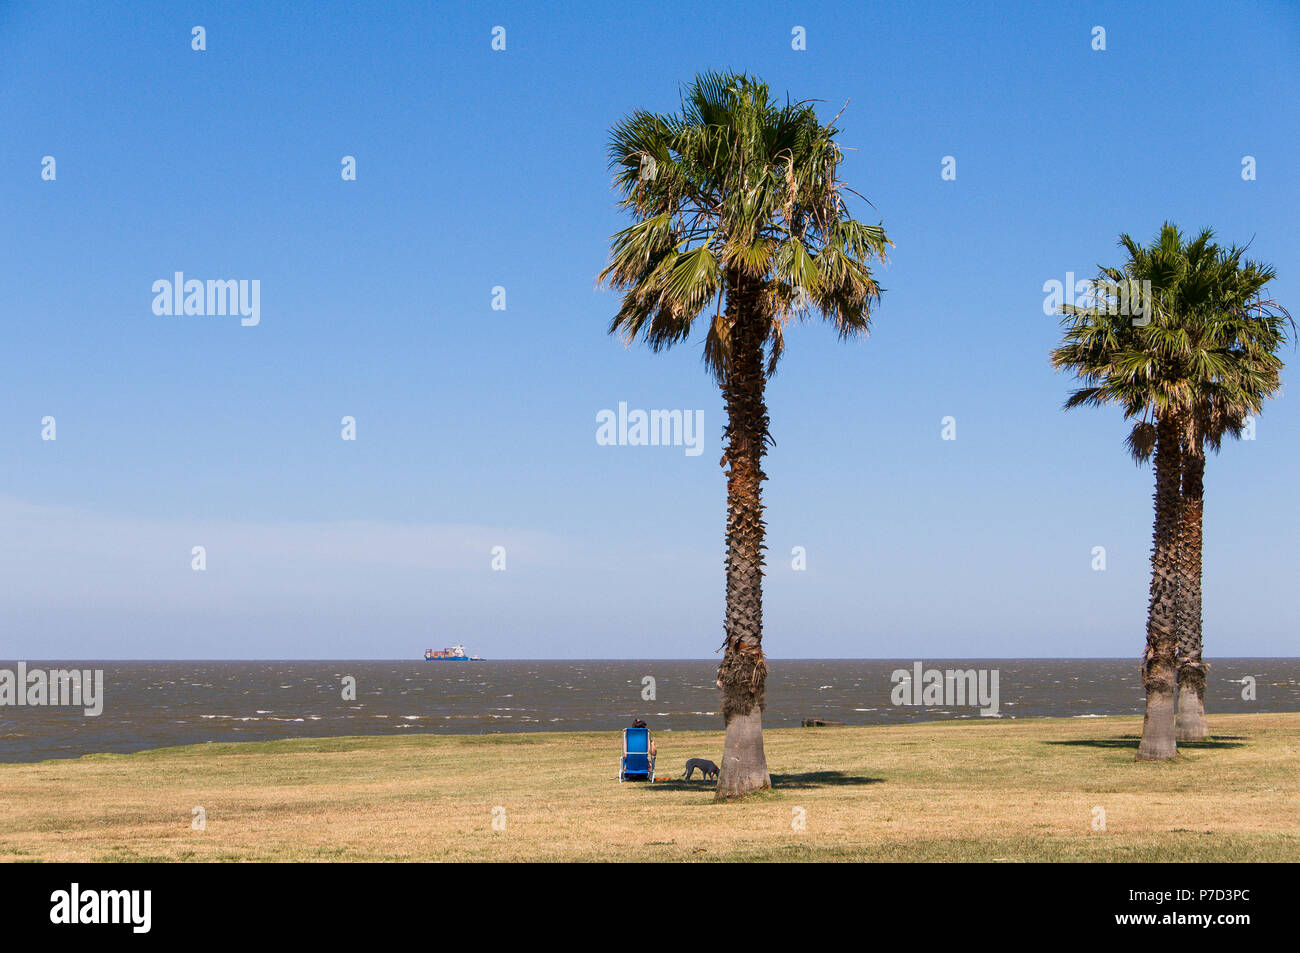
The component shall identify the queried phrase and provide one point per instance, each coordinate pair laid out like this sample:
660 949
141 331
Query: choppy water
156 704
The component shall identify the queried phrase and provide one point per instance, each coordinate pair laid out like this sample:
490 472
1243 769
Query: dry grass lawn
942 791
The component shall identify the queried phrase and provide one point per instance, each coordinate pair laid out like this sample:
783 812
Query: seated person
638 723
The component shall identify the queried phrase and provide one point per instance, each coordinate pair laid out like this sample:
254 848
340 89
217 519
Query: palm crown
1207 354
735 188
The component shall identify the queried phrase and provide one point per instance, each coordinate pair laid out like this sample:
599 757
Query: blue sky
476 427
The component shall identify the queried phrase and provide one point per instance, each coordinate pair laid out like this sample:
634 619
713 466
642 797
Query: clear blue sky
476 427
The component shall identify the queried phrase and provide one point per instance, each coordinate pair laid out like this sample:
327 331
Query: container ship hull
454 654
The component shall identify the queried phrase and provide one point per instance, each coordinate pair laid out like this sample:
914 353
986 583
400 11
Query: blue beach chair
638 763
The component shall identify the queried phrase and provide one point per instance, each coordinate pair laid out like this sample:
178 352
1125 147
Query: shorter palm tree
1143 367
1243 330
1206 362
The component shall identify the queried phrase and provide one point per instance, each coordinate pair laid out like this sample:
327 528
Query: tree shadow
1132 741
821 779
808 779
678 784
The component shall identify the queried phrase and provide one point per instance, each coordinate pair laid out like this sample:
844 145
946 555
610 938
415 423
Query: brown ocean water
158 704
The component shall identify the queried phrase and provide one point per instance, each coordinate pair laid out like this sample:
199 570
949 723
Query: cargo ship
454 654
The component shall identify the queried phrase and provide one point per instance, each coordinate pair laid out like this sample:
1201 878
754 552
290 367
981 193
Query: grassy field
942 791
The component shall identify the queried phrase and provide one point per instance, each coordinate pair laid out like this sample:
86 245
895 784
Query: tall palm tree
739 214
1146 366
1244 330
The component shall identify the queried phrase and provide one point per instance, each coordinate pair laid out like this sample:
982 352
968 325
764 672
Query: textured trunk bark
1192 669
744 765
1160 663
1158 740
742 676
1191 724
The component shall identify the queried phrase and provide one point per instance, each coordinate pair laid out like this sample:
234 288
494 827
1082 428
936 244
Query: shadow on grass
677 784
821 779
1132 741
809 779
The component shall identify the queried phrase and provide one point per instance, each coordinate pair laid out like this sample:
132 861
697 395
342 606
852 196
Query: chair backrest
636 751
636 740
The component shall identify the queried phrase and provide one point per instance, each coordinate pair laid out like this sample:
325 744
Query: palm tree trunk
1159 663
742 676
1191 668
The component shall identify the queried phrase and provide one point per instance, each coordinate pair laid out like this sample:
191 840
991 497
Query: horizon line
810 658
